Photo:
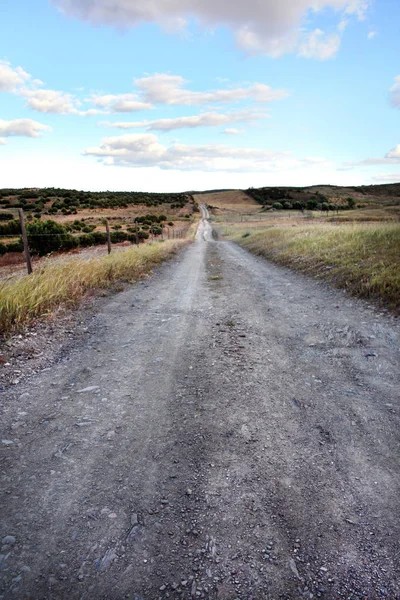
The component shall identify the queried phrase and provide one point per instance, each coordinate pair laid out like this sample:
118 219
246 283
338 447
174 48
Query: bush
118 236
312 204
277 206
15 246
6 216
100 237
47 236
10 228
156 230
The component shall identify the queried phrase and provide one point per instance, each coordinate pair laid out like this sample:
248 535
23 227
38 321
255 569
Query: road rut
228 429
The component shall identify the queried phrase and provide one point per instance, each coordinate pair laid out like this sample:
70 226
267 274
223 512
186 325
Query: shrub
118 236
47 236
10 228
15 246
6 216
277 206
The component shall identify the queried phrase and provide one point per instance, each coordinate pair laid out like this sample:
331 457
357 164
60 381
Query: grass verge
65 281
363 258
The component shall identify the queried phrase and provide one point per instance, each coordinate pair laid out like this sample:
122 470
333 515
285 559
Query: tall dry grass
65 281
364 258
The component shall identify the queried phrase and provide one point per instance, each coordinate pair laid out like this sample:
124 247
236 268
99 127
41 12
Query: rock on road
227 429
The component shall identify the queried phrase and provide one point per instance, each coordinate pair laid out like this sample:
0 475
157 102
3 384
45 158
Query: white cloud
20 83
232 131
145 150
119 103
371 35
317 44
271 26
22 127
3 142
50 101
12 79
169 89
391 158
395 153
386 178
211 119
395 93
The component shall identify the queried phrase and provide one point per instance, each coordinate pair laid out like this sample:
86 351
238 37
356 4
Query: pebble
91 388
8 539
293 567
7 442
134 519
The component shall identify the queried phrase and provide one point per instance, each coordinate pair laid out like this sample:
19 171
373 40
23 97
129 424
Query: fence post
25 241
108 237
137 234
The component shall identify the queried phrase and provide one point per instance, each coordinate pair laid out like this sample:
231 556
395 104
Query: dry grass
364 258
65 281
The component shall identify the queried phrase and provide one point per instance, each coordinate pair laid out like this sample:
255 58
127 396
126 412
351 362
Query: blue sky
159 96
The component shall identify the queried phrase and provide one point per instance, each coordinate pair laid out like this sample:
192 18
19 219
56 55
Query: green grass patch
364 258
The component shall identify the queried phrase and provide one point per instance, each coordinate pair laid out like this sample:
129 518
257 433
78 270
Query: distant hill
371 195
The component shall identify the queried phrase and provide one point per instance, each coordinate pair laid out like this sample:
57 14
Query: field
358 250
68 220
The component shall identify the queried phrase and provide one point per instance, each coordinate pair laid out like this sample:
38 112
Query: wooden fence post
25 241
108 237
137 234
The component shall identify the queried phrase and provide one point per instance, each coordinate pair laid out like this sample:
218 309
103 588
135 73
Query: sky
174 95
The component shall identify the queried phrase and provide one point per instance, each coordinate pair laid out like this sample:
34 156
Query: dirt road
228 429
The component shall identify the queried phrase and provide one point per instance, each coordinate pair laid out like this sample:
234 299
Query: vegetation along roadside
363 258
65 281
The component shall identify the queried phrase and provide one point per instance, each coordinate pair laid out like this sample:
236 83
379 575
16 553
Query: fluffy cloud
371 35
11 79
272 27
120 103
169 89
145 150
50 101
391 158
211 119
318 45
395 93
22 127
395 153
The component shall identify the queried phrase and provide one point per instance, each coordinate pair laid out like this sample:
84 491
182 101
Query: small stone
112 515
7 442
189 492
134 519
162 588
91 388
111 435
8 539
293 567
324 569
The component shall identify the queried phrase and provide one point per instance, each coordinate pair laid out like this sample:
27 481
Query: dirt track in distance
227 430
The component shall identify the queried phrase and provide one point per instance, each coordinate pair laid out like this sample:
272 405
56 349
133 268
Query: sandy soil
227 429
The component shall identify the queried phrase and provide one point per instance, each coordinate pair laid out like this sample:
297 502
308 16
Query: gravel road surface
227 429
